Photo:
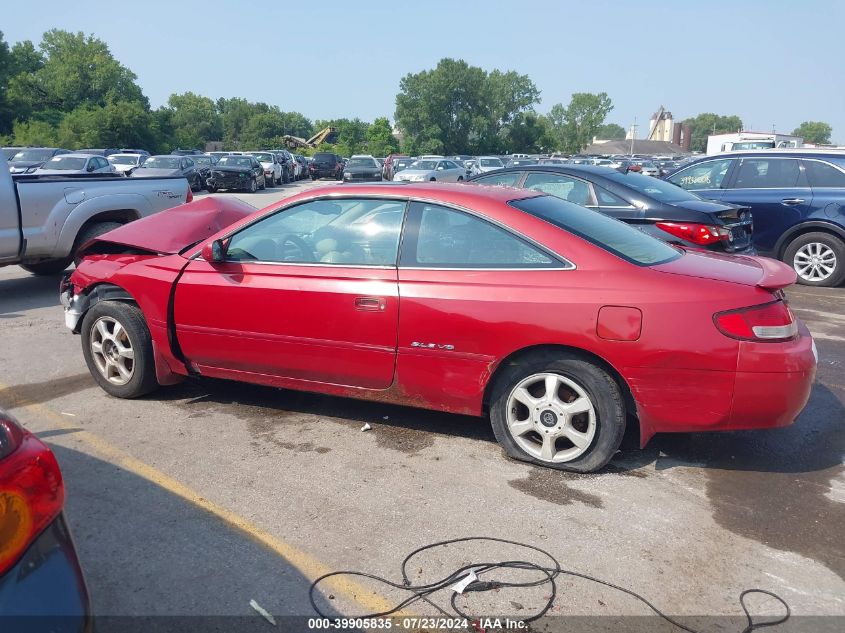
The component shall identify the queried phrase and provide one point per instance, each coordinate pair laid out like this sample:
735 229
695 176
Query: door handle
791 201
369 304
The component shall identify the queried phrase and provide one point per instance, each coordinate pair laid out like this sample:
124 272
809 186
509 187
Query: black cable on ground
547 576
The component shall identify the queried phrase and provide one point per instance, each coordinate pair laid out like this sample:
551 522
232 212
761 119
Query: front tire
253 185
558 410
118 349
817 258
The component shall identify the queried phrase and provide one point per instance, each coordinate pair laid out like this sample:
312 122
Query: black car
42 587
204 163
28 159
171 165
326 165
362 169
654 206
237 172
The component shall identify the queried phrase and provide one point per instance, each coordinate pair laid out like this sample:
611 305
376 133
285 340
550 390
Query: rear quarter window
605 232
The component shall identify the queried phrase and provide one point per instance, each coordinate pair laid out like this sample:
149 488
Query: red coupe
557 321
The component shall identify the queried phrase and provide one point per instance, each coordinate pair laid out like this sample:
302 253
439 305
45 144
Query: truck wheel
48 266
89 232
818 259
558 410
118 349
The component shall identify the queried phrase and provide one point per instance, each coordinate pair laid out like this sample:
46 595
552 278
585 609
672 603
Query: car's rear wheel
118 349
271 182
48 266
818 259
560 411
253 186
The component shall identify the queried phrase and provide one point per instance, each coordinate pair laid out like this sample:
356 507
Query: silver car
648 168
75 164
432 170
126 163
486 163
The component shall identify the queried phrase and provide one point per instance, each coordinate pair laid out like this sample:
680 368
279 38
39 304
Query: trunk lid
746 270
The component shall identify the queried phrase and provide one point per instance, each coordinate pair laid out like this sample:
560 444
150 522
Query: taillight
768 322
190 196
31 491
703 234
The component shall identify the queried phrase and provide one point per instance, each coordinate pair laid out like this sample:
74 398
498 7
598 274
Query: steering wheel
306 251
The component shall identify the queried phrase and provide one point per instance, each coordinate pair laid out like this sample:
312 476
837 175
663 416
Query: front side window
448 238
561 186
605 232
707 175
509 178
767 173
355 232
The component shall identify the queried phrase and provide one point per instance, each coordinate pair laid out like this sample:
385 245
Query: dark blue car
797 199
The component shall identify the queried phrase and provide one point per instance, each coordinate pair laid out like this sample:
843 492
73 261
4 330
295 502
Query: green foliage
708 123
528 132
458 108
380 139
193 120
34 133
610 131
814 132
575 125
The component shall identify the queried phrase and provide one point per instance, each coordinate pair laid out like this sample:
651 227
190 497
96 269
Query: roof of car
75 155
454 193
786 151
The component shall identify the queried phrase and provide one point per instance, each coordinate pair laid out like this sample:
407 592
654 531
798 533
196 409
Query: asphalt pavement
201 497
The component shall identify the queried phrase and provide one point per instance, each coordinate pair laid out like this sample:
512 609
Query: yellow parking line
308 565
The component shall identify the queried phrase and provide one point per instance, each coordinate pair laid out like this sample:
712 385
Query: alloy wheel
111 349
814 261
551 417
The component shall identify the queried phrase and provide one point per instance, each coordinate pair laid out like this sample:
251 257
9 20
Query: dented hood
175 229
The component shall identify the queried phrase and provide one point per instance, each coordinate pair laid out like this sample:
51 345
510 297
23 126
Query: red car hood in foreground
740 269
173 230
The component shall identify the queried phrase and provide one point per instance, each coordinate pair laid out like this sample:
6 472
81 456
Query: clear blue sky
772 62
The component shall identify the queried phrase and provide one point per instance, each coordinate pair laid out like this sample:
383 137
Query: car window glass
453 239
707 175
507 178
823 174
560 186
607 199
355 232
767 173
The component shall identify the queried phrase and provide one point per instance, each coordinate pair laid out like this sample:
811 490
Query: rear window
605 232
324 158
652 187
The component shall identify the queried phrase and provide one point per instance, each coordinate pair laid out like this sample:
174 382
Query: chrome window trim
568 264
477 269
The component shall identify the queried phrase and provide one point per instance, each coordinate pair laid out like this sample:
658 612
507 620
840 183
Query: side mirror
214 251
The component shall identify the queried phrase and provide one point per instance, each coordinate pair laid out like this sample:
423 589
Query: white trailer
718 143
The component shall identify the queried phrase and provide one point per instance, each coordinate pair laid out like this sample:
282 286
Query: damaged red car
558 322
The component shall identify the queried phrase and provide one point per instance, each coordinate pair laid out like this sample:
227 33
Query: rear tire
89 232
598 420
111 347
253 186
817 258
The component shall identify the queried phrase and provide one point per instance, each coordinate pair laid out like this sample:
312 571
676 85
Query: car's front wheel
560 411
818 259
118 349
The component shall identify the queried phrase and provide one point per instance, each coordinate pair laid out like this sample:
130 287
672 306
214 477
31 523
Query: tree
117 124
380 139
457 108
610 131
576 124
528 132
193 120
76 70
34 133
817 132
708 123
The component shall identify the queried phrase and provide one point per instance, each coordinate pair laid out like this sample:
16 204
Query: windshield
644 163
490 162
34 155
362 162
426 165
652 187
234 161
117 159
8 153
161 162
605 232
201 160
264 157
63 162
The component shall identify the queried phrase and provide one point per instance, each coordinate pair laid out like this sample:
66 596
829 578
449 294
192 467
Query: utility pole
633 135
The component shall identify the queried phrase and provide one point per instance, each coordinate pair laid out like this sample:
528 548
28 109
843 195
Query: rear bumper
46 590
769 389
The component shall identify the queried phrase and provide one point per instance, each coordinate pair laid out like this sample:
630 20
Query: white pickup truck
44 220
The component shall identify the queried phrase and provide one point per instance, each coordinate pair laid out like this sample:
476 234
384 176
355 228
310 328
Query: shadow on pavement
155 562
